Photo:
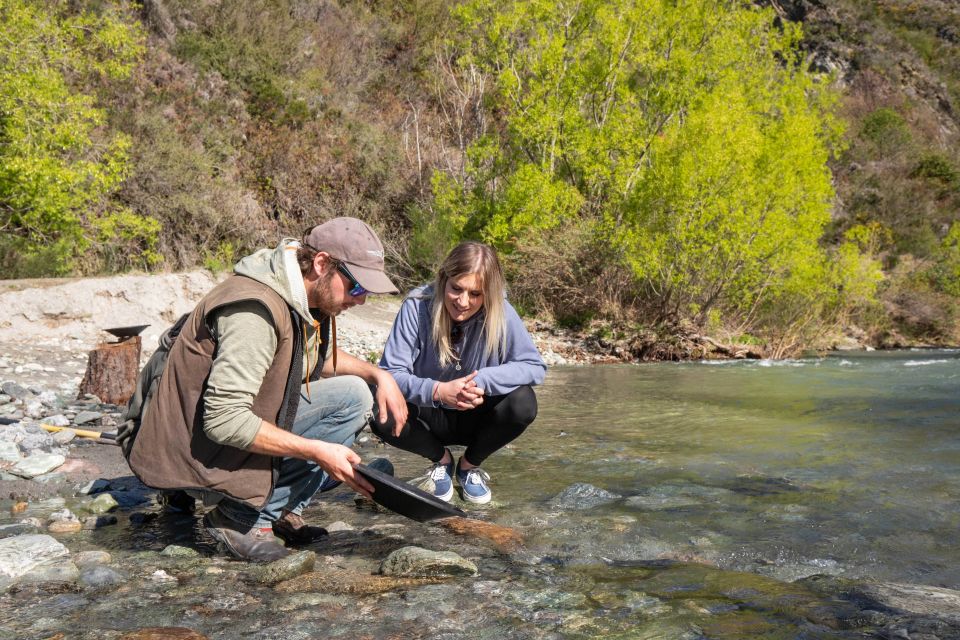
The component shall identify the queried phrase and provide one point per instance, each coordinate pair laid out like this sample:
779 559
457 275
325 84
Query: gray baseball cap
354 243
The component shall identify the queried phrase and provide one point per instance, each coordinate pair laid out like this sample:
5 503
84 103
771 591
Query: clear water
847 465
683 501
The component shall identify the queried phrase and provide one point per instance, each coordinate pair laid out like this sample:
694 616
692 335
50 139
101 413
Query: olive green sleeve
246 346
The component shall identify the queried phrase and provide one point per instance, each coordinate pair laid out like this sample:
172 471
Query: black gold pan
405 499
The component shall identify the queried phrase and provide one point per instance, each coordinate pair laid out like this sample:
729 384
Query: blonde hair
467 258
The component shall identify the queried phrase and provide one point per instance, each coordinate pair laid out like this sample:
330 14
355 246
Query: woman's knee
521 406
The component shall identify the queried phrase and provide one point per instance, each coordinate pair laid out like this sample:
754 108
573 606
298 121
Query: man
256 408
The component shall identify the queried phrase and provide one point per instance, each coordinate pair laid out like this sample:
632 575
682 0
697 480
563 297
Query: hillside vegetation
772 173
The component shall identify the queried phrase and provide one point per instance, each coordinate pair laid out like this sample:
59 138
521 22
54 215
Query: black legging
499 420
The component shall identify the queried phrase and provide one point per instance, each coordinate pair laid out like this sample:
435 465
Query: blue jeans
336 412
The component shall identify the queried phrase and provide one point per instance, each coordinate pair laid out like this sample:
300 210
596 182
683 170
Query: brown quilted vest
171 450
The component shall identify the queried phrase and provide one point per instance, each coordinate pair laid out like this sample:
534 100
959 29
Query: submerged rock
582 496
416 562
98 577
61 571
163 633
21 554
294 565
337 582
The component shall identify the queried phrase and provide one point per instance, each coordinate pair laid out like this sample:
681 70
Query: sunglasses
355 289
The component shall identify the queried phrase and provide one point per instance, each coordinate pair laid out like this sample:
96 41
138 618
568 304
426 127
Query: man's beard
322 298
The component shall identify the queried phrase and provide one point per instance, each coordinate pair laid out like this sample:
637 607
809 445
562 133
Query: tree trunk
112 371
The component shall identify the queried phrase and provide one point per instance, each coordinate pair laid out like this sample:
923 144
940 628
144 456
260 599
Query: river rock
85 417
14 390
295 564
19 529
341 582
37 464
417 562
103 503
21 554
9 452
65 526
98 522
60 571
582 496
99 577
913 598
64 437
92 558
163 633
176 551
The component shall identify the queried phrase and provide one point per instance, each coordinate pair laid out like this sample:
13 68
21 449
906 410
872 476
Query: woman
465 364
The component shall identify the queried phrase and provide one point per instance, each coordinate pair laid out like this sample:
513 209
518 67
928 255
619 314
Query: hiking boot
439 477
256 544
293 529
474 484
382 465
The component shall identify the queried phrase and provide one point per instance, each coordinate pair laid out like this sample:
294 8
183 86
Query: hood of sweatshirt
278 269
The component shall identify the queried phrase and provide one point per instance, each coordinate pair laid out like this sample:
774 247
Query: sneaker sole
484 499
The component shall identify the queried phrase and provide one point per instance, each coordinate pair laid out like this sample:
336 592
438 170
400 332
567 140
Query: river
722 500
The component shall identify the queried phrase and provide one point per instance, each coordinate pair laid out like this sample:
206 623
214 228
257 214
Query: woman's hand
461 393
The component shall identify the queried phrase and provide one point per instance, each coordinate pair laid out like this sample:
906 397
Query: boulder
417 562
21 554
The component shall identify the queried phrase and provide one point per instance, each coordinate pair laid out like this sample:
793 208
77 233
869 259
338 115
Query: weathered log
112 369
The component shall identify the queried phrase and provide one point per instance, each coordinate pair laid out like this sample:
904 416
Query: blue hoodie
411 357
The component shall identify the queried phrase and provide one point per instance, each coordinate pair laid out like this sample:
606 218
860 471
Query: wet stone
296 564
175 551
65 526
21 554
582 496
98 522
55 572
37 464
19 529
58 420
163 633
102 504
99 577
414 562
91 558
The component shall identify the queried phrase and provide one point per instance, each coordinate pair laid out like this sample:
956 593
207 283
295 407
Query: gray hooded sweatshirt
247 343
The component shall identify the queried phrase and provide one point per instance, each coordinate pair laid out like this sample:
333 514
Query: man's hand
390 402
338 461
461 393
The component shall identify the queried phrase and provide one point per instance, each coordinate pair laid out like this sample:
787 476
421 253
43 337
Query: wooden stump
112 369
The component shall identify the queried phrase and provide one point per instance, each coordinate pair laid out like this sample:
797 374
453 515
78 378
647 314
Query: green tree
57 165
687 134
